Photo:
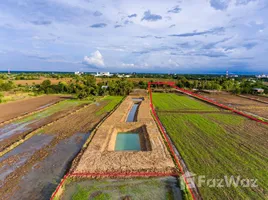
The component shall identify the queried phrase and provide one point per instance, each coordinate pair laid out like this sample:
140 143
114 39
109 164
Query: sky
185 36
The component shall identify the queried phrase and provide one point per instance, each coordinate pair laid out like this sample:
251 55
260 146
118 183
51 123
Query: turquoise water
132 113
127 142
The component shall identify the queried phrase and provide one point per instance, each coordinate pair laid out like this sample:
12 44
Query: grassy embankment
217 145
112 102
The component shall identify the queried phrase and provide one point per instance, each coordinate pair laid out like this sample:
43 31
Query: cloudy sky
185 36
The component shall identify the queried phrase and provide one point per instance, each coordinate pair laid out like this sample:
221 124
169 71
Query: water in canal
127 142
133 113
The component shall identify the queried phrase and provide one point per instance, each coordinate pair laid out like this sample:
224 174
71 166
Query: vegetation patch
113 101
137 188
172 101
61 106
219 145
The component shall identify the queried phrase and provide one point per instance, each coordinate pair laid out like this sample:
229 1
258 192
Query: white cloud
172 62
96 59
69 33
128 65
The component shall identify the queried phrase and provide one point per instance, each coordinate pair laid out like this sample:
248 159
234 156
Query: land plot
164 188
172 101
17 108
40 167
18 129
218 145
245 105
258 97
101 156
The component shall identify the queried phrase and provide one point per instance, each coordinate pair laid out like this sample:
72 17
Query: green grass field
172 101
165 188
112 102
218 145
61 106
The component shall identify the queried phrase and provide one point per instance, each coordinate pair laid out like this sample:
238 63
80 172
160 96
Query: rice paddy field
164 188
34 168
16 130
172 102
216 144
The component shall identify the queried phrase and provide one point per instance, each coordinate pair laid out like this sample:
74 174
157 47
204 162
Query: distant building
104 87
234 76
78 73
103 74
123 75
258 90
262 76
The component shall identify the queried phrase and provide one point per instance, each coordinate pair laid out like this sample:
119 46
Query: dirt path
15 109
261 99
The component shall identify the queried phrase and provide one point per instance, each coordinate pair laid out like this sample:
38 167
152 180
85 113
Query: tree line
86 85
244 86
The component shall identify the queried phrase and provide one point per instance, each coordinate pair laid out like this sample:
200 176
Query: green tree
45 87
1 97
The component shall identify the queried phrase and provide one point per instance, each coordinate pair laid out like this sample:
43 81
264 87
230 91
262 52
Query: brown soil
15 109
101 157
245 105
81 122
35 125
257 97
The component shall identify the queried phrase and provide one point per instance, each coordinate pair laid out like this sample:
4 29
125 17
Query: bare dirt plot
100 155
15 96
15 109
245 105
258 97
47 155
18 129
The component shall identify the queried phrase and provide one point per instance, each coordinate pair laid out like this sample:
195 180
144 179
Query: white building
123 75
103 74
262 76
78 73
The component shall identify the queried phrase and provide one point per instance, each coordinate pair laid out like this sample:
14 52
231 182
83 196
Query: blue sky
186 36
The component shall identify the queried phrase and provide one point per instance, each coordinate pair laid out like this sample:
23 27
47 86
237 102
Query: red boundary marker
111 175
157 174
172 84
166 137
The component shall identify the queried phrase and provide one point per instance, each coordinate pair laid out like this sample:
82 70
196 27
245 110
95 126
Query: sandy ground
101 157
17 108
33 169
246 105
